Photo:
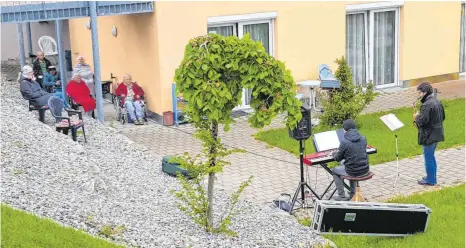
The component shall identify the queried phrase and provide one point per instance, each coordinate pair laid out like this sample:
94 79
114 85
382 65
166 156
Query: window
259 30
462 42
372 46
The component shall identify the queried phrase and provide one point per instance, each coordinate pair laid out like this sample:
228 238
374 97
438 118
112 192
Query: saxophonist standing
430 130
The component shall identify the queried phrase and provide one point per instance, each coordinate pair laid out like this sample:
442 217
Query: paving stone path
276 171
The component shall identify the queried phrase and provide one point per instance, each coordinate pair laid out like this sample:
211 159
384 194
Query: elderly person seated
32 91
86 74
52 79
40 67
78 91
131 95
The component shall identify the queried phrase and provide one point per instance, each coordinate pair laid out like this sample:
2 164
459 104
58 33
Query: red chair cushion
64 123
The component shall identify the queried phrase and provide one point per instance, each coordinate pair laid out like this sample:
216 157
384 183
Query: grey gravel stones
115 184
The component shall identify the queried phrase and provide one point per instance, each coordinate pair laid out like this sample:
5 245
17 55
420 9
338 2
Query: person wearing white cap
31 90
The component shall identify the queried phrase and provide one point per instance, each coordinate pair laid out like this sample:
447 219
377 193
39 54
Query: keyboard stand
331 183
302 184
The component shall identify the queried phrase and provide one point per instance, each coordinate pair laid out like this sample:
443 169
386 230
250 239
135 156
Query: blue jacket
50 80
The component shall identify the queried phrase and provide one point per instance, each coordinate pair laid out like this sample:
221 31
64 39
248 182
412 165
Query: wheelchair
121 114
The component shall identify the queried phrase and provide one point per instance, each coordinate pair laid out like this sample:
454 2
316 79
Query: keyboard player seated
353 158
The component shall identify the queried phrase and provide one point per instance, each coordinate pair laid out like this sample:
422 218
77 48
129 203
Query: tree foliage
214 71
211 77
348 101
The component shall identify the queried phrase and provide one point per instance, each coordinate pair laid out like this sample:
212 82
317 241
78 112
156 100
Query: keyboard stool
358 196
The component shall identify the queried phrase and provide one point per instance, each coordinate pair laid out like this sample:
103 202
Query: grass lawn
445 228
20 229
379 136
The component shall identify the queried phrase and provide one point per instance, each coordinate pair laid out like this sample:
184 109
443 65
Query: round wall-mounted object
88 24
114 31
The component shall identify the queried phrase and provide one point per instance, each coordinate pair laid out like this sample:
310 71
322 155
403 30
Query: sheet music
326 140
392 122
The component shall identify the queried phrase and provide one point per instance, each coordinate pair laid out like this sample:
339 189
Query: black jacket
37 69
430 121
353 150
33 92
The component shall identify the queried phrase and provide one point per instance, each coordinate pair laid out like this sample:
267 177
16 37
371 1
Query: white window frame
373 6
463 3
242 20
369 40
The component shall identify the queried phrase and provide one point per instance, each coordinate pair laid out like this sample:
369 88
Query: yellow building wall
430 39
151 46
306 33
132 51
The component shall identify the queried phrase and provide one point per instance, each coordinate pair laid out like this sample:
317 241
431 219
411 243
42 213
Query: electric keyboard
324 157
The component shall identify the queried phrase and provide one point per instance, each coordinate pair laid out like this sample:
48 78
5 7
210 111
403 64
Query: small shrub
111 231
348 101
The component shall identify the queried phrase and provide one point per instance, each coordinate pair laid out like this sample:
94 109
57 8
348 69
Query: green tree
211 77
348 101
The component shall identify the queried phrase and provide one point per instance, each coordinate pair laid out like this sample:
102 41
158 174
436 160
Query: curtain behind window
224 30
384 48
355 47
258 32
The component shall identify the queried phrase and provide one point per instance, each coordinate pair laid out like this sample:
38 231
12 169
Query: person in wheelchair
78 91
131 98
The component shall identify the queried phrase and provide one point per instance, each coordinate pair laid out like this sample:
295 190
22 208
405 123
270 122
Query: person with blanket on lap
78 91
131 95
353 156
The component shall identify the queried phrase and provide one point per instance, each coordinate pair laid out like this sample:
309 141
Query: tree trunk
210 186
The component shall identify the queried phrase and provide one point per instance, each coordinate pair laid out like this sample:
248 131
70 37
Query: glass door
258 31
383 50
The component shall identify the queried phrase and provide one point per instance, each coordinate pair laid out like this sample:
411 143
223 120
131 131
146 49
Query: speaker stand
302 184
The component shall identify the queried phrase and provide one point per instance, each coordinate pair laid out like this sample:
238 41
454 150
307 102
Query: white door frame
371 46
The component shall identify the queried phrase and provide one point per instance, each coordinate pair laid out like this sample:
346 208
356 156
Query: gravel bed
112 181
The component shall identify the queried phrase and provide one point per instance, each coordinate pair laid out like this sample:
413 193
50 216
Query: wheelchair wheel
123 117
117 114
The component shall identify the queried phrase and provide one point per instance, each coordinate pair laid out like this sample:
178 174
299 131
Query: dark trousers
337 173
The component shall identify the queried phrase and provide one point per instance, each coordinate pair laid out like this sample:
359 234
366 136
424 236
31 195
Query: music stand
393 123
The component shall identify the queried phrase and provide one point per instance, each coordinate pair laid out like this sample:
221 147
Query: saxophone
414 112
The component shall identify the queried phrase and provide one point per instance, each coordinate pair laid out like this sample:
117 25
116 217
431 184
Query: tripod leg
295 197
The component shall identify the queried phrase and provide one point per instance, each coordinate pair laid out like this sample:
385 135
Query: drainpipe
28 34
21 44
96 56
61 57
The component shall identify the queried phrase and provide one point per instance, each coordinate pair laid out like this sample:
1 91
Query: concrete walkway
276 171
